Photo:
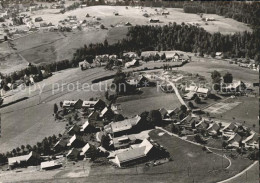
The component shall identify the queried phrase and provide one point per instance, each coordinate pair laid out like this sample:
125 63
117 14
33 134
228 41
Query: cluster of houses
235 135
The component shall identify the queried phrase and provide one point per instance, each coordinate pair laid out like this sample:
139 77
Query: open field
43 46
247 112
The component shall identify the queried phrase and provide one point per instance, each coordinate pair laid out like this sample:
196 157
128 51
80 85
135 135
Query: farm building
49 165
130 55
133 156
30 159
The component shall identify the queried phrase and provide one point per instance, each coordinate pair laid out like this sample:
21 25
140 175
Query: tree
154 117
118 117
197 100
163 56
216 77
55 109
105 141
183 108
190 104
228 78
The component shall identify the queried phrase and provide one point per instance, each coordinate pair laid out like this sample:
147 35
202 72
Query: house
174 112
210 19
122 127
191 88
202 124
49 165
88 151
93 116
30 159
231 127
213 128
234 140
154 20
106 113
250 139
165 13
72 104
84 65
73 154
189 96
203 92
131 55
76 141
74 130
60 145
132 63
123 141
163 112
135 155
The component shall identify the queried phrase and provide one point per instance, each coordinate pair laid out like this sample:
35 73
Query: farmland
43 46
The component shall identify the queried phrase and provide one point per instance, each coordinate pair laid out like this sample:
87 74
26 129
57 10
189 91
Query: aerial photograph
149 91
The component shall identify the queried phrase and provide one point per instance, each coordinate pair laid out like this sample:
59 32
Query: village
154 111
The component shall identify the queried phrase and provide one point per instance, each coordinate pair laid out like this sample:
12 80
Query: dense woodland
179 37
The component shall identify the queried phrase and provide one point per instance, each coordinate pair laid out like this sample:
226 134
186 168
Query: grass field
247 111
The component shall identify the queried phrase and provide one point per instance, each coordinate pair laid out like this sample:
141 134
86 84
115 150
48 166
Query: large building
30 159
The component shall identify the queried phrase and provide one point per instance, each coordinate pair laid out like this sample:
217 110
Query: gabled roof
19 159
73 151
202 124
191 88
140 151
49 164
125 124
84 126
104 111
61 142
75 128
250 138
72 139
85 149
163 111
203 90
68 103
213 127
236 138
147 144
131 154
88 103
